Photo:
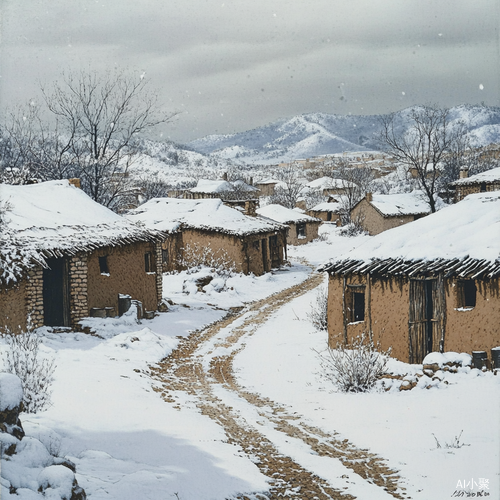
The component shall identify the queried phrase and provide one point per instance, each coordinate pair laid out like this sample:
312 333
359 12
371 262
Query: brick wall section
159 272
34 296
78 270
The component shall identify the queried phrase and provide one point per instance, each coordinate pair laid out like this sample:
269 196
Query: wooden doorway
265 264
56 310
275 251
426 317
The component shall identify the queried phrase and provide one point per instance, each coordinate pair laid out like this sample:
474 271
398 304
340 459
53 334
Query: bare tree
103 117
288 192
31 149
356 182
423 145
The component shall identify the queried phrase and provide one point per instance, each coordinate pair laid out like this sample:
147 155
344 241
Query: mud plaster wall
375 223
247 256
127 275
13 308
476 329
220 243
311 233
323 215
388 316
173 246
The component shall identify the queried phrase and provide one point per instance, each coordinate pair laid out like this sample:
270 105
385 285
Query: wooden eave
466 267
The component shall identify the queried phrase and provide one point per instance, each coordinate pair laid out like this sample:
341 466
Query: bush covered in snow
23 358
355 367
196 256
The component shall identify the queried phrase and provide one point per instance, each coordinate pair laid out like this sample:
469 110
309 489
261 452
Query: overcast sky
232 65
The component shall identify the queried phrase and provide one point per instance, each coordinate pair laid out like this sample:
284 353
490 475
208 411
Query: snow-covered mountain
316 134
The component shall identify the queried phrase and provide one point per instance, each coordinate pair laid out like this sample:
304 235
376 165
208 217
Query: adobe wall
127 275
173 246
311 233
323 215
386 311
373 222
13 311
245 251
472 329
476 329
219 243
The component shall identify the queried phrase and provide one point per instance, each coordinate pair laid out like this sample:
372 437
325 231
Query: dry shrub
355 367
197 256
36 371
317 315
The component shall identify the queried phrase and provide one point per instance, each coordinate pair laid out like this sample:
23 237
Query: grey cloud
242 64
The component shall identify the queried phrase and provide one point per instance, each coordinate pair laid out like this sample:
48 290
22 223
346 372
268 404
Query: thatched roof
462 240
55 219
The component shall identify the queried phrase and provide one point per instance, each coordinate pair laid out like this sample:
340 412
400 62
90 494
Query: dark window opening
256 244
467 293
355 302
358 312
301 230
482 187
103 265
164 256
148 262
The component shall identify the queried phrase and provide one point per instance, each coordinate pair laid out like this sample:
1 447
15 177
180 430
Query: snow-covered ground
127 443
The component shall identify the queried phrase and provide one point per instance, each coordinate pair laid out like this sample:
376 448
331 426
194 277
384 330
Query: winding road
195 368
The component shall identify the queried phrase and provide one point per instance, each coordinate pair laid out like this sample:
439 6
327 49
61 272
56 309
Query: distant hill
316 134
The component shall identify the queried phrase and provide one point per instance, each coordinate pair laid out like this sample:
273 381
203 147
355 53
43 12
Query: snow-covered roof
209 186
461 240
285 215
56 218
329 183
492 175
267 181
326 206
400 204
243 186
172 214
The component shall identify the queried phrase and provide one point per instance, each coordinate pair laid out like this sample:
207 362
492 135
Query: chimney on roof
369 197
76 182
464 173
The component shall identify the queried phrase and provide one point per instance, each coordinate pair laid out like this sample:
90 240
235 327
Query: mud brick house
376 213
266 187
479 183
62 254
431 285
328 211
328 186
303 227
221 189
254 244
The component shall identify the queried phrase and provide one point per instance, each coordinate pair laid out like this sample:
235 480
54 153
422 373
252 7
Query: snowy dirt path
300 460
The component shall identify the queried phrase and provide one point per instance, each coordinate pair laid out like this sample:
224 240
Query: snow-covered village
218 285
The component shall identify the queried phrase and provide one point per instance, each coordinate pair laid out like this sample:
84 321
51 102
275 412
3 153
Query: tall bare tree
103 117
356 182
422 145
288 192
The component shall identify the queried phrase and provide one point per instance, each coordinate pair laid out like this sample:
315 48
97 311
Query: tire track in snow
183 371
